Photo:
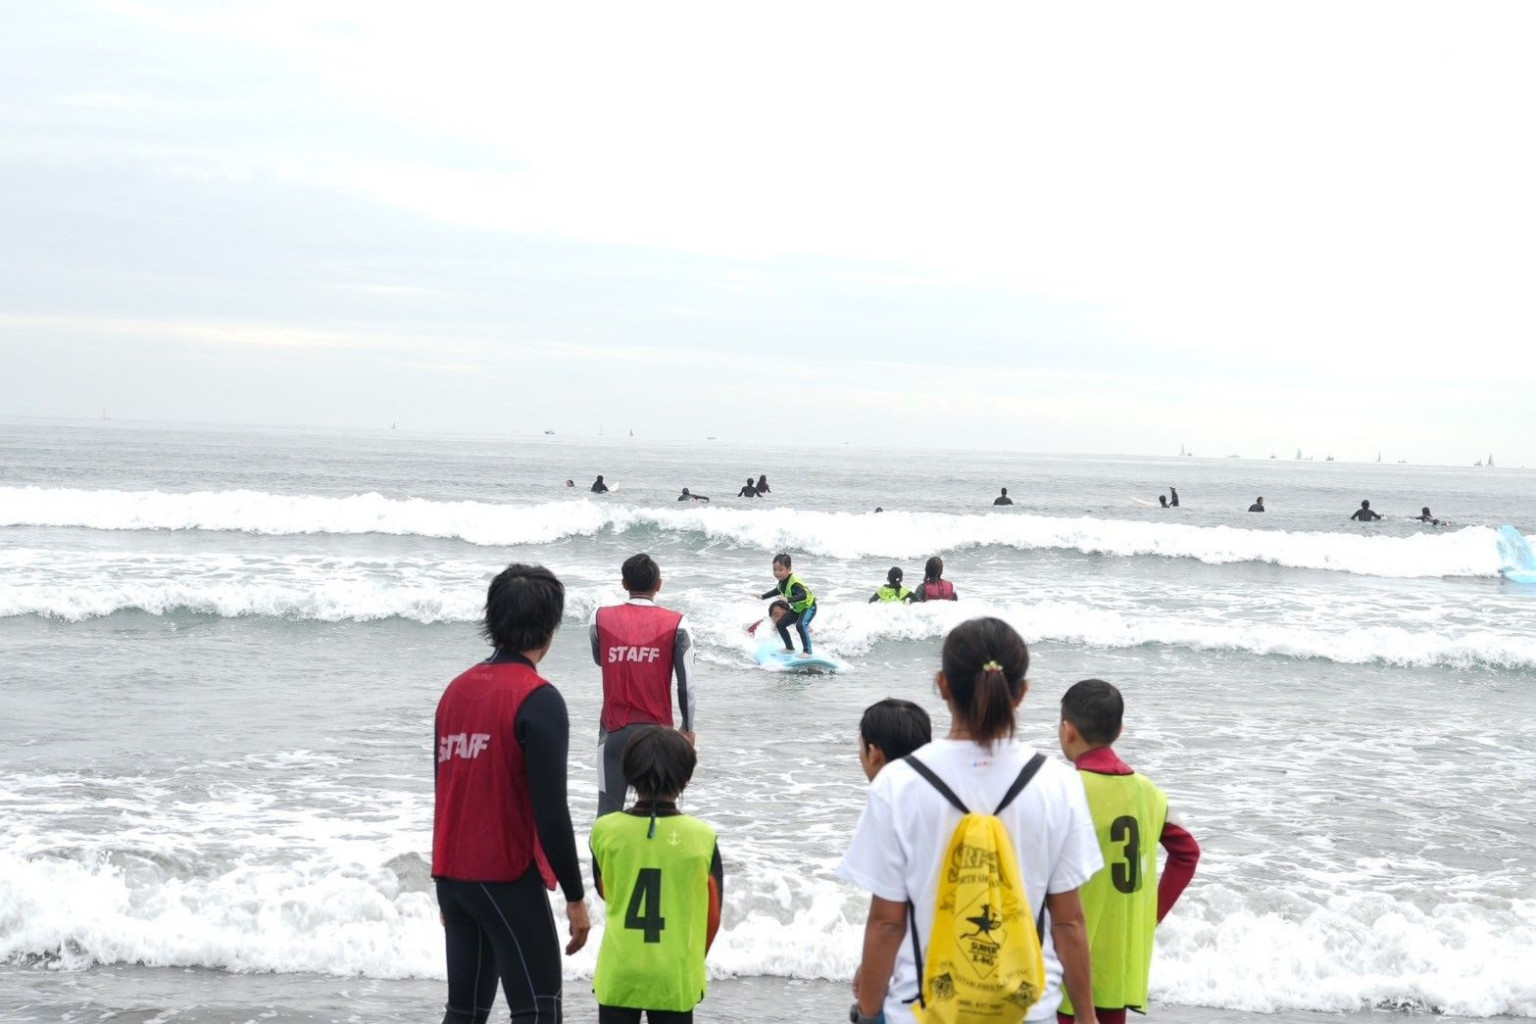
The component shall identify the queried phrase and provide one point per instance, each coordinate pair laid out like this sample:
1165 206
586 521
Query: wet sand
163 995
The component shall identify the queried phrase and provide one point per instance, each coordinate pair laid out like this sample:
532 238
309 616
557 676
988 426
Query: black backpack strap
917 953
1025 774
938 783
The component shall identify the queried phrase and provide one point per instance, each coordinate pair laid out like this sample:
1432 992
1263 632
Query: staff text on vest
468 745
633 654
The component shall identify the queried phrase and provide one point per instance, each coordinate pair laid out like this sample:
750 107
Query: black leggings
801 621
626 1015
500 930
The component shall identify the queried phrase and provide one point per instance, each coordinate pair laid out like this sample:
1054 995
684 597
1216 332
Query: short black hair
782 558
896 726
523 607
641 573
1096 709
658 761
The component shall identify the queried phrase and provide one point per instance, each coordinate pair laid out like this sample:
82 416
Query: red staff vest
938 590
635 642
482 827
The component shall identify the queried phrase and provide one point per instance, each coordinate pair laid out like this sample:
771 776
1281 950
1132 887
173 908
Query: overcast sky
1235 227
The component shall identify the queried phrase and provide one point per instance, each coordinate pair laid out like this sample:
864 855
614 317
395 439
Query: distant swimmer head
1424 511
570 483
1005 492
685 492
933 568
1365 504
1162 499
762 482
894 576
879 509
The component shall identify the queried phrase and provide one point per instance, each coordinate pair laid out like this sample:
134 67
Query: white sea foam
75 587
1472 551
353 917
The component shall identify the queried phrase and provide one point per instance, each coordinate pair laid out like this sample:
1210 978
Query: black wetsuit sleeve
544 731
775 592
796 593
874 597
717 872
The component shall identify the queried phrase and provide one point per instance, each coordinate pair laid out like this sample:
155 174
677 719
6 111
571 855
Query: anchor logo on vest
673 838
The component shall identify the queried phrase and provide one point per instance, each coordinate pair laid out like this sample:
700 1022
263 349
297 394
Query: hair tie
991 666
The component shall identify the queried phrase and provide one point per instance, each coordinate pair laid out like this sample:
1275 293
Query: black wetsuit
1002 499
1173 497
1366 515
1255 507
506 930
747 492
691 497
598 487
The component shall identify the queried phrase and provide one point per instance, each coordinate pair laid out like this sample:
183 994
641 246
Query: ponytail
933 570
984 662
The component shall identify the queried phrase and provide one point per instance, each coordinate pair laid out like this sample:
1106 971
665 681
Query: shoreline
134 994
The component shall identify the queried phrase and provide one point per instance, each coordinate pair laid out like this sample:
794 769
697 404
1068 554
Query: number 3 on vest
644 913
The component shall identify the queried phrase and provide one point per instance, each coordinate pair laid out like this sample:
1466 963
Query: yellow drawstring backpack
985 965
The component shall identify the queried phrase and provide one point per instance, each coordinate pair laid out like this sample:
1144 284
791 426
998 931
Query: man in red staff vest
640 647
501 833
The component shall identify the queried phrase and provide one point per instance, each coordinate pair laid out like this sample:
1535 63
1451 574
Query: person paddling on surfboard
802 605
1425 517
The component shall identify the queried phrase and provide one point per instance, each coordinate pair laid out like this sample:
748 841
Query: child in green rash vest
802 604
659 872
1121 906
892 591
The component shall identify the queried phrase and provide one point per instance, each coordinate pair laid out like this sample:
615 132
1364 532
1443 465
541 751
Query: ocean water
220 651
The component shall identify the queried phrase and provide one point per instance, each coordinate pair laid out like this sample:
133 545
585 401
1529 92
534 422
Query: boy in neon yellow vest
802 604
1121 906
659 872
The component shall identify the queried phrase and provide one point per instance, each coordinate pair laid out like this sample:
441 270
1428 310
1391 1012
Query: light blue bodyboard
773 656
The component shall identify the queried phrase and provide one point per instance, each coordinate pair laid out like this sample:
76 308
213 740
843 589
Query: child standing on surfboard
802 604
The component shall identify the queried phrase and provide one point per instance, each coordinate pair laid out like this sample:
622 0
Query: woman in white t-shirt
907 823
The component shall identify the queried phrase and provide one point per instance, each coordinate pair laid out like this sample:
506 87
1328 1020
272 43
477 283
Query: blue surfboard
774 657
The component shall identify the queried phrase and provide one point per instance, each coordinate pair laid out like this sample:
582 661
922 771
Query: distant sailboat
1490 460
1328 459
549 433
1298 454
1378 456
391 424
104 413
631 431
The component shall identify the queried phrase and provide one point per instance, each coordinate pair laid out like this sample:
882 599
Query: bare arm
883 933
1070 934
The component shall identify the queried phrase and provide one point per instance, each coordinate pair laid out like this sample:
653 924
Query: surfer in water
748 491
1425 517
762 485
598 487
1003 499
800 604
1365 514
1162 500
1173 497
934 586
1257 506
685 496
892 591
